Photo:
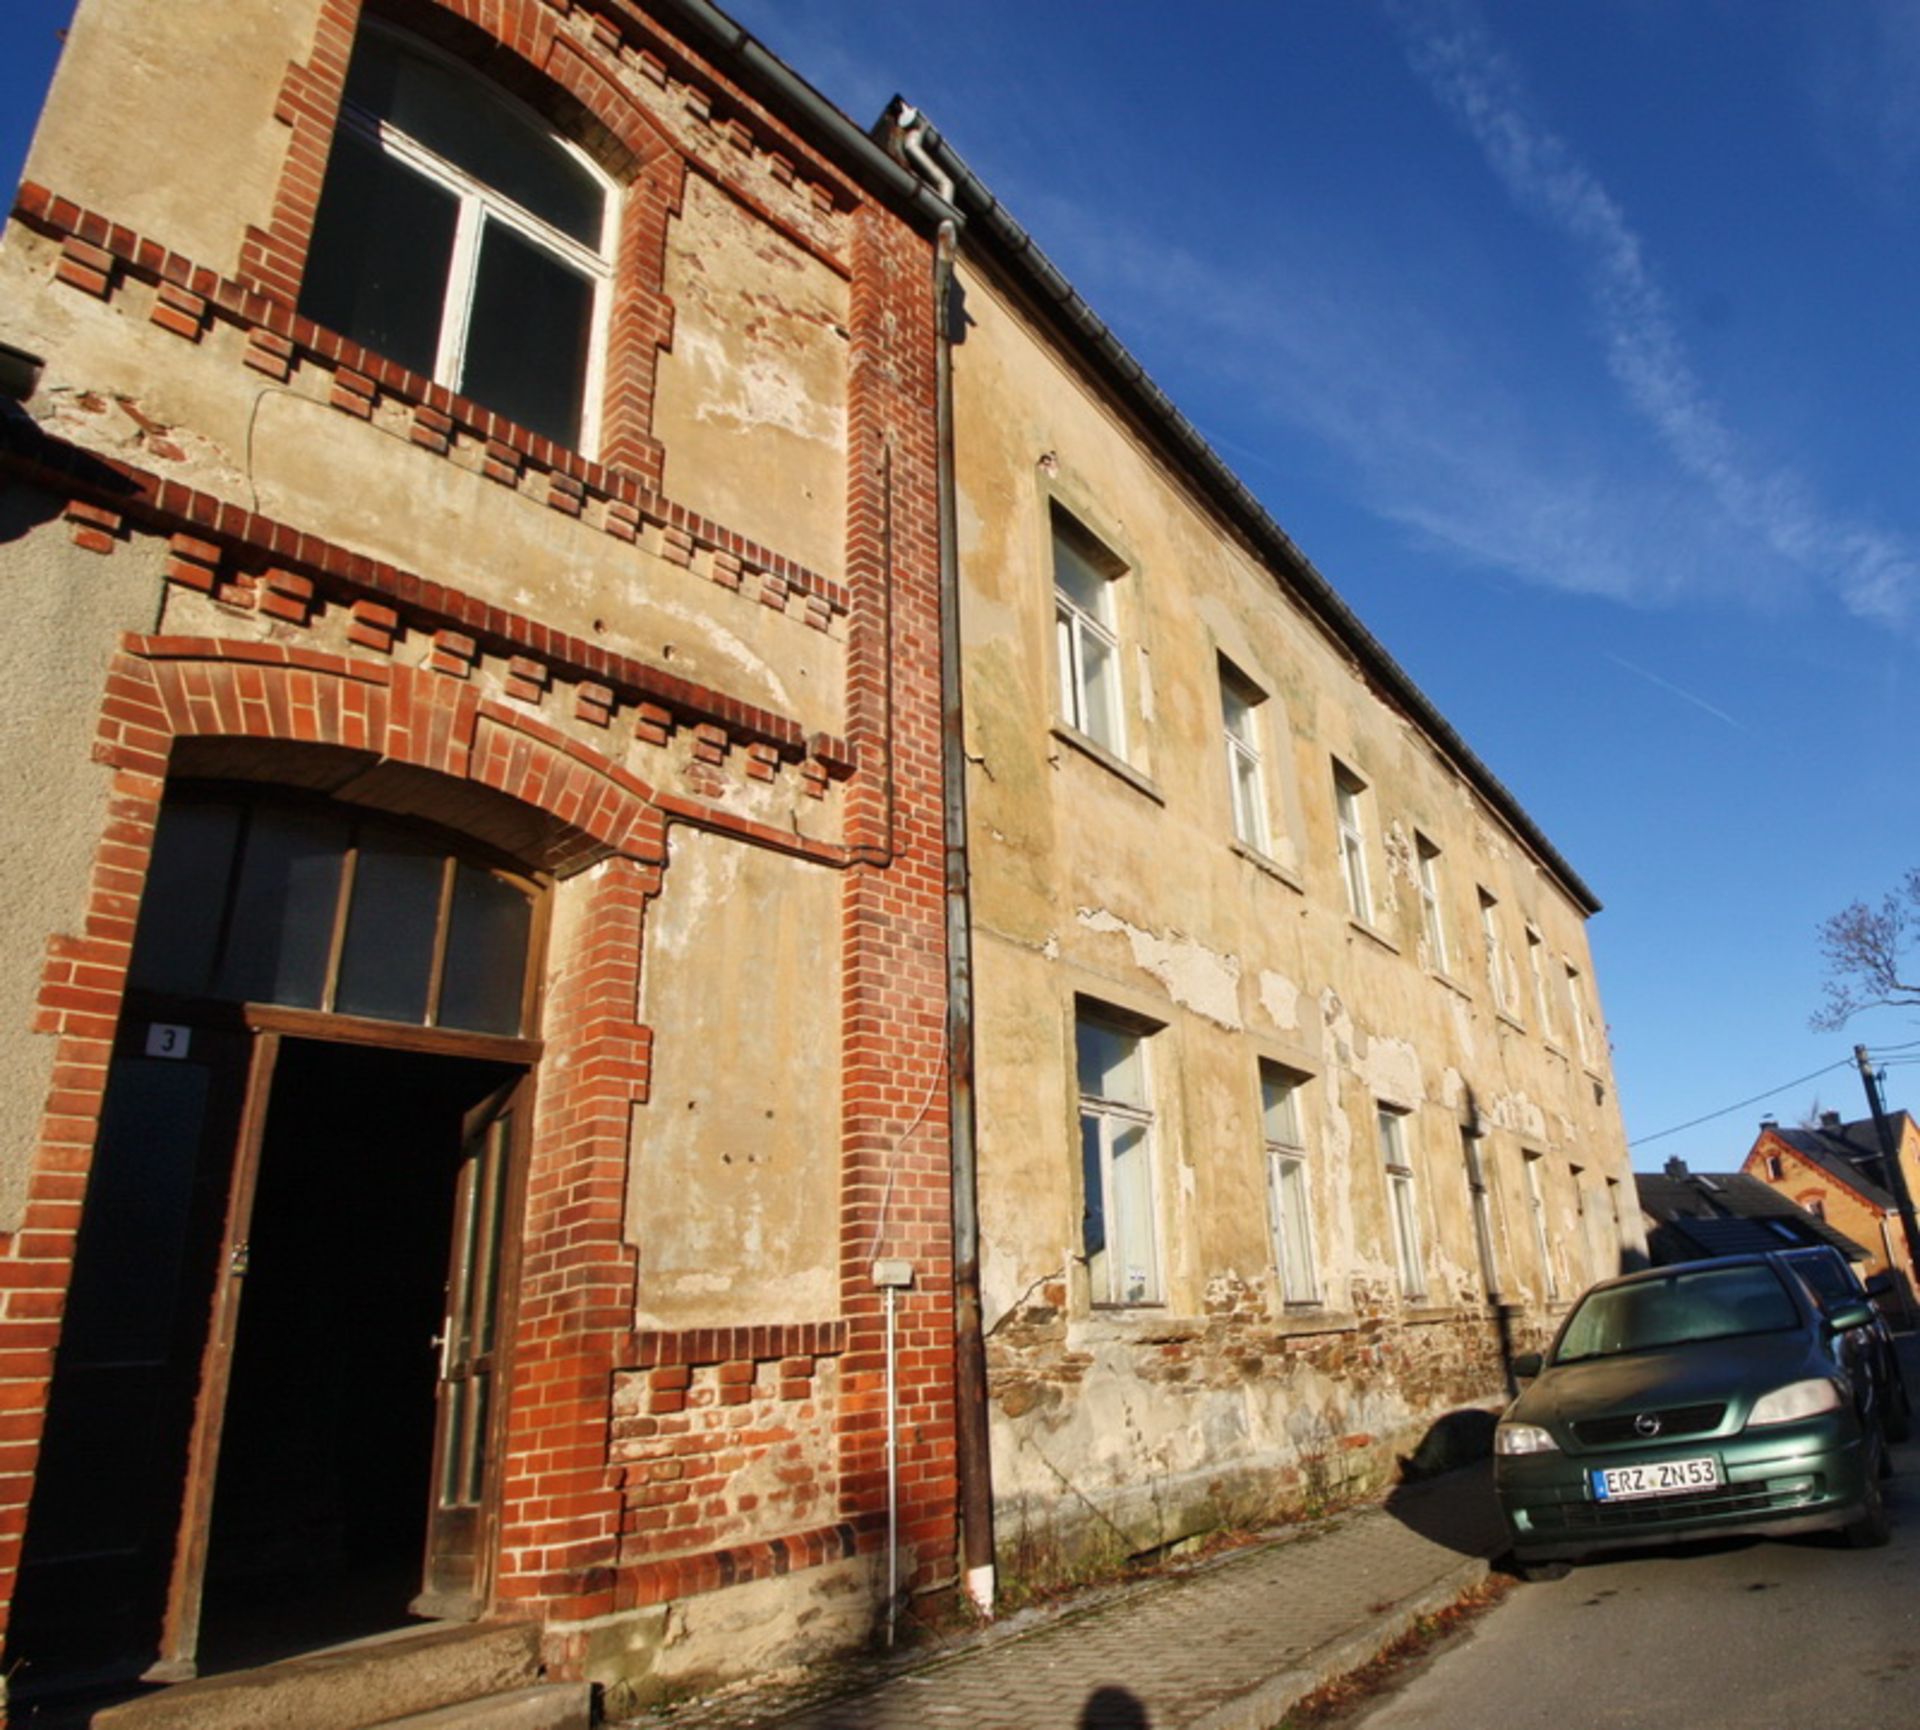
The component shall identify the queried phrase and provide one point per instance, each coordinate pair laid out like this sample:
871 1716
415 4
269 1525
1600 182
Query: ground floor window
1118 1237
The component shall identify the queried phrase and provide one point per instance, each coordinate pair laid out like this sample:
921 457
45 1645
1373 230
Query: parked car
1835 1284
1693 1401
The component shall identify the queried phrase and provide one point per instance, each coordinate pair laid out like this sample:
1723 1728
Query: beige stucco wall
65 610
1121 882
138 74
736 1153
752 396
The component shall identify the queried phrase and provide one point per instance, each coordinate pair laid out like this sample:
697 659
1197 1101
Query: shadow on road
1114 1709
1445 1500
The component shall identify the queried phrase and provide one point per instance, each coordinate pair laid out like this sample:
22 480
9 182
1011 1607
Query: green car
1696 1401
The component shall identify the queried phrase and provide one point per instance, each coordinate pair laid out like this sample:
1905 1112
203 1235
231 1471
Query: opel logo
1647 1424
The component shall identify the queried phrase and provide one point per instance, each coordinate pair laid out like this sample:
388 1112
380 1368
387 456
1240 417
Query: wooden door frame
269 1025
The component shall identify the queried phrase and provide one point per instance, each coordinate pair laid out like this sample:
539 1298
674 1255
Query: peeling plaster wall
752 400
1117 879
736 1154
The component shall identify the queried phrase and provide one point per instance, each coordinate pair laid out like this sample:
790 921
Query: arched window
322 906
459 237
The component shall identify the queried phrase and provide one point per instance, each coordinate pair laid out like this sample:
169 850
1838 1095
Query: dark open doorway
320 1506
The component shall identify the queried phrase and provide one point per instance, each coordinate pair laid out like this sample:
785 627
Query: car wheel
1536 1573
1872 1529
1899 1413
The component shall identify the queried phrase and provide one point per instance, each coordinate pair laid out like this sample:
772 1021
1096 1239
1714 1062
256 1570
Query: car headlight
1523 1439
1796 1400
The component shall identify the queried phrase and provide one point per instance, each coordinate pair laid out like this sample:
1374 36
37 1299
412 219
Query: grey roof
1728 1213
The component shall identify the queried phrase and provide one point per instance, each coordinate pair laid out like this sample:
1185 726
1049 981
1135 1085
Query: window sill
1266 863
1422 1312
1374 934
1107 760
1451 983
1137 1324
1509 1020
1312 1319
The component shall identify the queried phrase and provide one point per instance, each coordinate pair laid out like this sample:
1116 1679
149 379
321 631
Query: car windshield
1682 1307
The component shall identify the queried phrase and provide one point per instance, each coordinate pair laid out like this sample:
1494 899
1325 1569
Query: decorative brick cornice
209 535
694 1346
277 340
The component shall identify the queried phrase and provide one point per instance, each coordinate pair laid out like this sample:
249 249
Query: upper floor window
1287 1191
1586 1037
460 238
1433 924
1496 953
1087 634
1348 793
1118 1238
1536 968
1240 701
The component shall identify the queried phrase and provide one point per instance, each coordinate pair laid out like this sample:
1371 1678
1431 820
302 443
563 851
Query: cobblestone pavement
1228 1645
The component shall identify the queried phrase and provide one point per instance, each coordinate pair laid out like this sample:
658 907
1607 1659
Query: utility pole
1896 1173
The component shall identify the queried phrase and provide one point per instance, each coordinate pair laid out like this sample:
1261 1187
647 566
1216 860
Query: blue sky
1576 346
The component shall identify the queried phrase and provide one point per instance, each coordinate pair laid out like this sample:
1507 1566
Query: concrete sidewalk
1229 1644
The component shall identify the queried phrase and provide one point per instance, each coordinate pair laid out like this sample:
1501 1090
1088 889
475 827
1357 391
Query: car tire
1898 1421
1873 1528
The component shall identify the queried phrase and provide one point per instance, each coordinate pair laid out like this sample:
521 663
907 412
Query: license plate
1668 1478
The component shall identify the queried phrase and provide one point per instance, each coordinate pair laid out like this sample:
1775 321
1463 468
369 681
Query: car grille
1679 1421
1728 1500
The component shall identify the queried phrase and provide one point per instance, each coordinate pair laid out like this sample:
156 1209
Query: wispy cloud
1672 689
1447 43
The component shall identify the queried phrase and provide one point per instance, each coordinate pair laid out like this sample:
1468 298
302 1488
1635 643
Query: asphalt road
1763 1635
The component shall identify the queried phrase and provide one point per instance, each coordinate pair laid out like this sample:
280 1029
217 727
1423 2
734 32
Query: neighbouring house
1294 1099
707 932
1691 1214
472 981
1835 1171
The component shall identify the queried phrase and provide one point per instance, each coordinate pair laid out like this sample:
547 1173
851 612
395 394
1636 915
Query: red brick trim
210 533
616 501
711 1571
649 1350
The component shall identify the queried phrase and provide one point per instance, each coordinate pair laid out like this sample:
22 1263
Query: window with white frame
1479 1199
1537 1208
1240 700
1402 1202
1537 971
1349 797
1433 924
1775 1168
458 236
1118 1238
1288 1206
1086 634
1496 952
1586 1034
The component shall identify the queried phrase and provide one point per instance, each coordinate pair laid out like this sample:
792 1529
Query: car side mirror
1848 1316
1526 1366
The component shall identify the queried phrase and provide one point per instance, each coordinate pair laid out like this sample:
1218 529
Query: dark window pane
388 956
486 967
186 894
382 247
283 909
527 336
456 115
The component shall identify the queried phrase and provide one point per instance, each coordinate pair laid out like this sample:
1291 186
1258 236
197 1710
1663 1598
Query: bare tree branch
1862 948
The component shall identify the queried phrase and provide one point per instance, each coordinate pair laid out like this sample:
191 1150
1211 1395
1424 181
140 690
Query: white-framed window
1775 1167
1240 700
1586 1035
1496 952
1537 971
1118 1236
1086 634
1402 1202
1479 1200
459 236
1289 1207
1537 1209
1433 923
1349 798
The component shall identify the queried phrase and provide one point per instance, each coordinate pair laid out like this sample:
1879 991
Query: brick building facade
474 1003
